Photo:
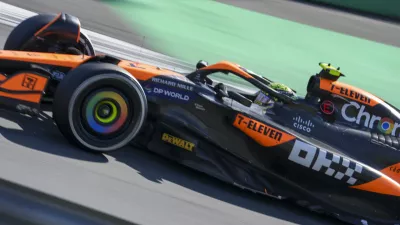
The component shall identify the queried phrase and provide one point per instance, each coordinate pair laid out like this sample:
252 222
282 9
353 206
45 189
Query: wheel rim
129 90
105 112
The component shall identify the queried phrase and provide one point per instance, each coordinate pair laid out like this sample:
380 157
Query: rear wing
329 72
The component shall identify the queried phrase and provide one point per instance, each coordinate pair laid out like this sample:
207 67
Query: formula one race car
335 150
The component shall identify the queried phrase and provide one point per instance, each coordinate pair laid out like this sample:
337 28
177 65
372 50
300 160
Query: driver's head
283 89
265 100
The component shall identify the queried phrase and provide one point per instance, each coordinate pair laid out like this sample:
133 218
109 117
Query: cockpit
238 83
248 88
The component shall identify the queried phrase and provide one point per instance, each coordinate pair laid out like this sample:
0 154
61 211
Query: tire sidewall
85 40
24 31
72 104
76 82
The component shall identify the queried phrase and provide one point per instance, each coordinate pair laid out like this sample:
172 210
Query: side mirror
221 90
201 64
240 98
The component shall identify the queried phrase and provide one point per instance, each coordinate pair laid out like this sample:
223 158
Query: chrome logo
106 112
386 125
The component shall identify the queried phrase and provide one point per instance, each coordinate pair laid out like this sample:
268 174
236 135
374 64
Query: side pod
23 91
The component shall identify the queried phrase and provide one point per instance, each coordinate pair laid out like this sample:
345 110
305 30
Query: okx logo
384 125
324 161
304 125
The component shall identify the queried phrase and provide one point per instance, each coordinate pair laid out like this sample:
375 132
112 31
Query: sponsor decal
133 64
335 165
199 107
172 83
327 107
393 172
197 77
304 125
347 92
263 134
29 82
187 145
26 109
394 169
384 125
57 75
387 185
162 81
136 65
33 54
167 93
147 89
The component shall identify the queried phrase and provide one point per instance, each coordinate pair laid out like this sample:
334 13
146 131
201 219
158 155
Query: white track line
11 16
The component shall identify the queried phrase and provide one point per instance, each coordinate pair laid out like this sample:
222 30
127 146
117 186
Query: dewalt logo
178 142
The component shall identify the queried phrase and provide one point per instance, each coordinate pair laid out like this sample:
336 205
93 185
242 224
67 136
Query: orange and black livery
335 150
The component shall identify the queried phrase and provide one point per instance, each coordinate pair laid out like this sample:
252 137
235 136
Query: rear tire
24 31
99 107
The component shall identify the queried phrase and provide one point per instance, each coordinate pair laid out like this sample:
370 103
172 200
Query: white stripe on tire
138 125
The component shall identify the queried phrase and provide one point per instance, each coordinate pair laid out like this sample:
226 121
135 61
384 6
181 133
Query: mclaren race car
334 150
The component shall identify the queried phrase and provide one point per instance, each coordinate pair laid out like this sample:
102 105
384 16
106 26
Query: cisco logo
304 125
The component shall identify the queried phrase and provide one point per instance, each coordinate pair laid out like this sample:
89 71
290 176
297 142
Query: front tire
99 107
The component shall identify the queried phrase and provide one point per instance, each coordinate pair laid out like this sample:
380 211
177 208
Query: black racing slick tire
100 107
25 31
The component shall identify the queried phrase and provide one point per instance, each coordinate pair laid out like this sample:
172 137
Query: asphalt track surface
326 18
92 14
101 19
131 183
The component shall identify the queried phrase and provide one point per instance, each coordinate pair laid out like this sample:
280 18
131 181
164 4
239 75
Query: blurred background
283 40
280 39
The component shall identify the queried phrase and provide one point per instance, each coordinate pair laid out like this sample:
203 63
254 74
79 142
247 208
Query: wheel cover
105 111
137 109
